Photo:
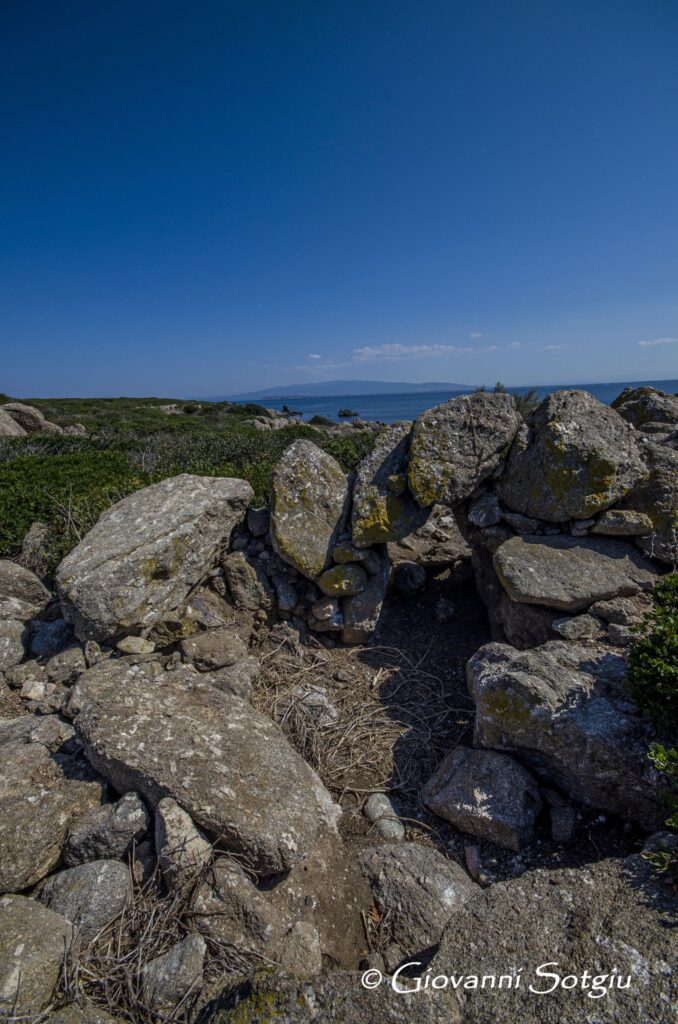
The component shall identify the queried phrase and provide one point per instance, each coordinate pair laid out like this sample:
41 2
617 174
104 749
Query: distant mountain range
330 388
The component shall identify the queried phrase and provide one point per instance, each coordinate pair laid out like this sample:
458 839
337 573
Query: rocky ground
250 754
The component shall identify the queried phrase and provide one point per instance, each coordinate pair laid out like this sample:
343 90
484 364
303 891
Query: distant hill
329 388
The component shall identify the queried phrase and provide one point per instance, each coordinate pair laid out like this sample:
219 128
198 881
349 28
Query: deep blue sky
203 197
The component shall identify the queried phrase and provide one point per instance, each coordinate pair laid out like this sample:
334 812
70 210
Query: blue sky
203 197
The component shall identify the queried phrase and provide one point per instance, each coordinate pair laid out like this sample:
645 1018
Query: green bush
666 762
653 659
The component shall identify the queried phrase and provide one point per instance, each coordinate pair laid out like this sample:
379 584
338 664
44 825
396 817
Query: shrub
666 762
321 421
653 658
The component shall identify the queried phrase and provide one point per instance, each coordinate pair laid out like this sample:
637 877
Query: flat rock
89 896
564 711
214 649
33 945
383 508
570 573
309 507
418 888
22 594
487 794
610 916
620 522
41 795
147 552
573 458
107 832
229 766
457 445
657 497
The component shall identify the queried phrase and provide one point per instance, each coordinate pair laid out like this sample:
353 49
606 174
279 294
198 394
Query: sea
409 405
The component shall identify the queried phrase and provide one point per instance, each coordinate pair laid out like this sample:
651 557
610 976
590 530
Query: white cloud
391 353
516 344
492 348
313 355
658 341
553 348
475 334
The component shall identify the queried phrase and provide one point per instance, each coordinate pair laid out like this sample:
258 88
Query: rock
611 919
301 953
107 832
563 821
309 507
182 850
485 511
327 609
13 639
437 545
484 545
247 583
418 888
345 552
50 638
620 609
569 573
644 405
67 666
238 679
444 610
457 445
146 553
82 1013
34 942
563 709
27 416
526 625
619 522
486 794
383 509
343 580
9 427
578 627
22 595
573 458
520 523
309 701
40 798
170 979
258 521
89 896
381 812
362 612
581 527
226 764
135 645
408 577
285 594
215 649
657 497
34 549
620 636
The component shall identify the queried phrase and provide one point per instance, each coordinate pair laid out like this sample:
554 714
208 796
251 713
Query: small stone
182 849
620 636
581 527
408 577
485 511
238 679
214 649
563 821
168 980
620 610
13 640
578 627
107 832
135 645
343 580
381 812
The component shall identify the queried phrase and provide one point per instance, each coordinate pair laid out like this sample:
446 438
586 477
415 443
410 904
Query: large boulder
27 416
644 405
22 595
41 796
563 710
310 503
226 764
34 942
417 888
457 445
383 508
9 427
147 552
570 573
574 457
657 497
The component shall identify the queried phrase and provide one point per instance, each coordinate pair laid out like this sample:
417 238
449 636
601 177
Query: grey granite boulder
640 406
22 595
175 976
27 416
228 765
383 508
34 942
89 896
107 832
309 507
487 794
9 427
418 888
457 445
363 611
573 458
570 573
147 552
563 710
41 796
13 643
657 497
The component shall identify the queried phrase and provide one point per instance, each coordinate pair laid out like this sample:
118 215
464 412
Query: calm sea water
389 408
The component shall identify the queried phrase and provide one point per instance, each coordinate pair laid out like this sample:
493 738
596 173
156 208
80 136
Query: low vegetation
653 659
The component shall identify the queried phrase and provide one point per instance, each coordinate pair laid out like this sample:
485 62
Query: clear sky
203 197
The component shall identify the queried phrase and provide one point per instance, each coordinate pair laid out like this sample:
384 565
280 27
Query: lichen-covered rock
362 611
417 888
229 766
487 794
570 573
22 595
107 832
310 504
564 711
247 583
644 405
657 497
34 942
573 458
89 896
343 580
147 552
457 445
40 797
383 508
619 522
